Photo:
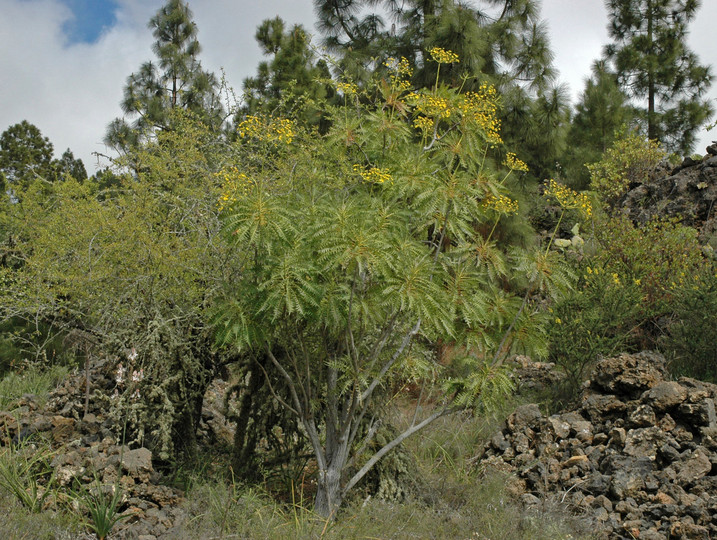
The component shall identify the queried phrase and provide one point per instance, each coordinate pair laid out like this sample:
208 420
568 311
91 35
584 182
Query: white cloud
72 92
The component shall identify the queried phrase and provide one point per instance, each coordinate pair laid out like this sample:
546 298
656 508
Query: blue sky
89 19
64 63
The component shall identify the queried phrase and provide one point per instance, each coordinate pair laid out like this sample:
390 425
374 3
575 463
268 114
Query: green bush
660 257
598 319
630 159
32 380
632 280
691 338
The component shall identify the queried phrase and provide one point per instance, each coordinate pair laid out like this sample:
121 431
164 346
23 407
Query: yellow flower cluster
569 199
443 56
501 204
514 164
234 184
401 72
399 67
275 130
375 175
479 107
482 106
347 89
433 106
424 123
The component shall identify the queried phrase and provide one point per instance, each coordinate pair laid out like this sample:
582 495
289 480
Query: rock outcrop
688 192
639 454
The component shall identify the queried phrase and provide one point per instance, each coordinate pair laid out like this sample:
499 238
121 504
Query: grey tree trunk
329 496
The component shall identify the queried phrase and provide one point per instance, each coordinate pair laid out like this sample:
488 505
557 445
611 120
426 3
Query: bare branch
273 393
394 443
289 382
377 380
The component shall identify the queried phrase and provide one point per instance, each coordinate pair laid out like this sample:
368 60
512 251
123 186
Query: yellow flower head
234 185
443 56
374 175
424 123
347 89
431 106
401 72
481 107
514 164
569 199
274 130
501 204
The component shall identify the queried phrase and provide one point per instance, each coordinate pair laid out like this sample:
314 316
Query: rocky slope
639 455
87 450
688 192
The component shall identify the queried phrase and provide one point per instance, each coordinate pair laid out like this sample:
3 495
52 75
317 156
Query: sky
64 63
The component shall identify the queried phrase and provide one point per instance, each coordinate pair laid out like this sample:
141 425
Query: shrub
598 319
629 160
363 247
691 338
660 257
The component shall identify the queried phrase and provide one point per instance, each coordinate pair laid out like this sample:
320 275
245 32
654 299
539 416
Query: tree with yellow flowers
365 246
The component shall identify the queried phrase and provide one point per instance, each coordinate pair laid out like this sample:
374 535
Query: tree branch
394 443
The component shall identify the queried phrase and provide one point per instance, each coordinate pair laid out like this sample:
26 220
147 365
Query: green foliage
36 380
27 473
691 334
361 246
292 81
633 279
24 153
480 505
601 111
629 160
661 257
503 43
136 269
68 165
597 320
19 523
26 156
653 63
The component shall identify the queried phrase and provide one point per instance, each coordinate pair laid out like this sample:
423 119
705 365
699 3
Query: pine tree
25 154
291 77
175 80
654 64
499 42
602 109
67 164
503 39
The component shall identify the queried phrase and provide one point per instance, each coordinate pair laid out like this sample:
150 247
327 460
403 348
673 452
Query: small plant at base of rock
102 505
596 319
25 471
691 335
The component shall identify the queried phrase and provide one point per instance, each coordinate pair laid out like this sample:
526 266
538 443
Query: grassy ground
454 500
451 498
34 381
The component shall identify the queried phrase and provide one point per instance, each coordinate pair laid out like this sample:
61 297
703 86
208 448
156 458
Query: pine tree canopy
655 67
175 80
